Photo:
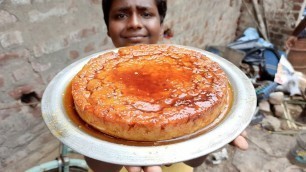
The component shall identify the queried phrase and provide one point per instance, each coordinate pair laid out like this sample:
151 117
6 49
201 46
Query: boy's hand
145 169
241 142
290 42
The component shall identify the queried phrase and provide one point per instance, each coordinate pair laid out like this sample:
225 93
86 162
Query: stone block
95 2
271 123
21 54
276 98
37 16
74 54
21 2
81 34
1 81
41 1
56 44
278 110
89 47
39 67
16 93
24 72
264 106
24 138
49 46
6 18
11 38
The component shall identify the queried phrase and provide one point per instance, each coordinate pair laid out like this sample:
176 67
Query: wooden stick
260 19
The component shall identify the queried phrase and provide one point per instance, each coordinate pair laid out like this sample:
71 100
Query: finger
244 134
152 169
133 169
241 143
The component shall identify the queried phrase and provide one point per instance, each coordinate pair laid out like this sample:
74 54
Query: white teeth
135 38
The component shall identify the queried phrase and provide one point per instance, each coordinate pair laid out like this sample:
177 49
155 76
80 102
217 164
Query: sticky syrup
82 125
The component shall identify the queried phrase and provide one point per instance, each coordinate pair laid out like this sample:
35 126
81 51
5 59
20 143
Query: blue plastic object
271 61
263 91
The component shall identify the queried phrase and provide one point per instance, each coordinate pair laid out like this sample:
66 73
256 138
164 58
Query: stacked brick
280 18
282 21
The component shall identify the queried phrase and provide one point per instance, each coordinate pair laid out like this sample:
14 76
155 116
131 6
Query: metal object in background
62 163
263 90
297 155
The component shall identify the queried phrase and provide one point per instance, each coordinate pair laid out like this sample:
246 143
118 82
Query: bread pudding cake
150 92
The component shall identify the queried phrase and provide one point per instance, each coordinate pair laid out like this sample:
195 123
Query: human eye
147 14
120 16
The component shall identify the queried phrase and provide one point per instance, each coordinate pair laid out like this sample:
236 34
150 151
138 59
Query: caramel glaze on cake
150 92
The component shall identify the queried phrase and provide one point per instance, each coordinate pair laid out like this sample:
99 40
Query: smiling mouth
135 38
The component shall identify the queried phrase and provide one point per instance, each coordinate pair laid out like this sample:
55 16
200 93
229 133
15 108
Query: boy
298 33
131 22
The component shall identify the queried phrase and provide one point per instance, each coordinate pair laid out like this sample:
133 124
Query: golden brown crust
150 92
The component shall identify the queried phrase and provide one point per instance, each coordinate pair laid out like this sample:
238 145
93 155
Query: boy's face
134 22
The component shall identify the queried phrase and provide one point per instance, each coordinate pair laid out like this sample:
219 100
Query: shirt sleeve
301 26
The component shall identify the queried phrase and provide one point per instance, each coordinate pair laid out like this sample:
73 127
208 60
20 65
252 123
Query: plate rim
62 128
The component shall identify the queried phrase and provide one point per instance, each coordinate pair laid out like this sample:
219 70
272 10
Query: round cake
150 92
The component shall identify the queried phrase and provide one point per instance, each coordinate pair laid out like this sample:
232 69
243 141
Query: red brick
104 42
74 54
13 55
96 2
88 32
287 31
17 92
296 8
275 29
296 15
279 36
89 47
272 22
298 1
36 112
10 55
1 81
282 23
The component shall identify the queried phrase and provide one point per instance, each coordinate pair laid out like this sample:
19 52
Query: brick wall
281 18
38 38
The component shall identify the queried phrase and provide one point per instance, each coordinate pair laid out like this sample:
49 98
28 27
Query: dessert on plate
151 92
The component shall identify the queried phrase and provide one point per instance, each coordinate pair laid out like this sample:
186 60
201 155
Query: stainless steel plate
61 126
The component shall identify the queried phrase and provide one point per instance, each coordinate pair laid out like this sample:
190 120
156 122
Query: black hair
161 6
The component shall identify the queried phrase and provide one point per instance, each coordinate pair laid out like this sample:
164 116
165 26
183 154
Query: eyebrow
126 8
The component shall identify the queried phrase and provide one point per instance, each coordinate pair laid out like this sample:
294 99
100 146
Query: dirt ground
267 152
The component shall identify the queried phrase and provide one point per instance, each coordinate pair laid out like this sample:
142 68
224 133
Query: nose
135 22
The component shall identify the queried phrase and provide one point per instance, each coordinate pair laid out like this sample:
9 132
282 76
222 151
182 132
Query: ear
162 29
161 34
